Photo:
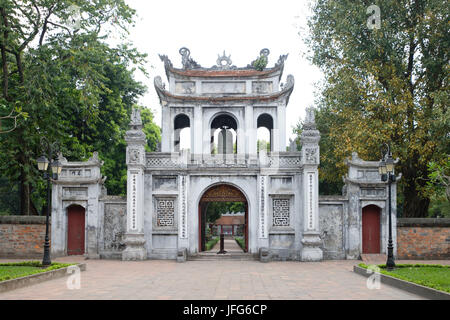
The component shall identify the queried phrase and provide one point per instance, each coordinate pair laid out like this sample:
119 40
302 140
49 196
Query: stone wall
113 227
22 236
332 228
421 238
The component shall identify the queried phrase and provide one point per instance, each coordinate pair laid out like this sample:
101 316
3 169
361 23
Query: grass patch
13 270
211 243
241 242
434 276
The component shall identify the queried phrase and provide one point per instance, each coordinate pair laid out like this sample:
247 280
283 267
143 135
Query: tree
74 87
215 209
386 84
330 179
439 185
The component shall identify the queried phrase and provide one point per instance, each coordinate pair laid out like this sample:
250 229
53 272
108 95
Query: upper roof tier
224 81
224 67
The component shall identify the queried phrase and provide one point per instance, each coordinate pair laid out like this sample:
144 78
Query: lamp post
386 170
50 150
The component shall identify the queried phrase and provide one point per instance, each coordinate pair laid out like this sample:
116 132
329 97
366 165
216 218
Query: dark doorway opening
223 209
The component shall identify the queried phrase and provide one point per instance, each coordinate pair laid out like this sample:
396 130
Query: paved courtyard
160 279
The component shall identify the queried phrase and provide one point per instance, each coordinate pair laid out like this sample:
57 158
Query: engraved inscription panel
185 87
262 87
213 87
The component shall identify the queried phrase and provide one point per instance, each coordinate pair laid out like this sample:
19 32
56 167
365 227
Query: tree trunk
415 206
24 196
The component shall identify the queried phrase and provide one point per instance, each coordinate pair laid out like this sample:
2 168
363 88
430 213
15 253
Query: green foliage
440 177
263 145
73 86
383 85
260 63
430 275
15 270
215 209
330 180
241 242
211 243
439 208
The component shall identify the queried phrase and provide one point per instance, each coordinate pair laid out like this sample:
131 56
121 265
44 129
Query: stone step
221 257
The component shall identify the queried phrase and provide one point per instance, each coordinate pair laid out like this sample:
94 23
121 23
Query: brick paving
229 245
199 280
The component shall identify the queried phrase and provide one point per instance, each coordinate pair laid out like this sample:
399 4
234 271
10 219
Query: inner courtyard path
198 280
230 246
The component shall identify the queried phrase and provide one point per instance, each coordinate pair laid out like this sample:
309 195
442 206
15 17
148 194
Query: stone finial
310 115
310 134
61 158
292 145
135 133
136 117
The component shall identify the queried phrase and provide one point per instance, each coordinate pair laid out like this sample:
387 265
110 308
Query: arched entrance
370 229
220 193
75 230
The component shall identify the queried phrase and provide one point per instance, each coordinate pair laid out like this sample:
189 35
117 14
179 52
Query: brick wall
22 236
421 238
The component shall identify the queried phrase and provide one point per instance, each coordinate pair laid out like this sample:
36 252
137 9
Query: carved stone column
311 158
134 237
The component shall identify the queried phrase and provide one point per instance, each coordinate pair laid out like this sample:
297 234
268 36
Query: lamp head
56 168
42 163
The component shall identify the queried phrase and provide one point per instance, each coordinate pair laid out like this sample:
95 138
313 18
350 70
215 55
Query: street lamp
386 170
50 150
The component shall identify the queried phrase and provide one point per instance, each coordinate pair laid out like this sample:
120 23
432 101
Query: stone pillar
281 115
134 237
250 132
197 147
310 154
166 145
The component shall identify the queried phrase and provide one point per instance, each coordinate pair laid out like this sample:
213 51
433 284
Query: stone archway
220 193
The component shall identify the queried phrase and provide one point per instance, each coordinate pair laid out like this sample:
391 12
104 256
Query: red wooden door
371 229
75 233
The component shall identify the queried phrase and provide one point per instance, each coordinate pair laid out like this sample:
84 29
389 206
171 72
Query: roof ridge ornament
261 62
186 60
220 62
282 59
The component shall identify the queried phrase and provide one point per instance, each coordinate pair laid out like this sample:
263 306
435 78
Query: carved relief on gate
223 193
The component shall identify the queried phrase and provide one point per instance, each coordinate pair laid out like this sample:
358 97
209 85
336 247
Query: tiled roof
223 73
230 220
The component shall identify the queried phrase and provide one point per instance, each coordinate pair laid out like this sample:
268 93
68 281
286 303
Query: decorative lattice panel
281 212
165 213
284 162
162 162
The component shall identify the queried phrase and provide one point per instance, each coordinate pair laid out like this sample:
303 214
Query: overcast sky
241 28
